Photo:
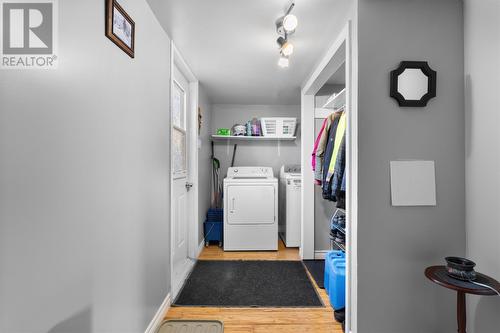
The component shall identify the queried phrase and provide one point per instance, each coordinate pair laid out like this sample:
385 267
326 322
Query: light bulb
287 49
283 62
290 22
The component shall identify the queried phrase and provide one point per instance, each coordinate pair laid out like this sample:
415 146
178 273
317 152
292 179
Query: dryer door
251 204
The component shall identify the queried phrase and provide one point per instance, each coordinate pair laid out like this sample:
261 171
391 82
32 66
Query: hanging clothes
341 194
338 178
316 143
319 149
338 141
341 201
332 151
329 151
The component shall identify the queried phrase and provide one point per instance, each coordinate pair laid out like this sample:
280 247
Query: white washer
250 209
290 205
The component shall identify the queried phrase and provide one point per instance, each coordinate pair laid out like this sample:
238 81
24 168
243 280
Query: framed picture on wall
120 27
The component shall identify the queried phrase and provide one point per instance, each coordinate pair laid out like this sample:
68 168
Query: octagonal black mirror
413 83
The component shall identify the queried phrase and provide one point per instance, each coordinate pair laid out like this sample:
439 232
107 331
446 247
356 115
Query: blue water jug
337 285
330 256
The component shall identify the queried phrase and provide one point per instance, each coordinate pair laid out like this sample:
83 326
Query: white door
180 180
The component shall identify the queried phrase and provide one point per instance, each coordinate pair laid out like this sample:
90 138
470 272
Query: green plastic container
224 131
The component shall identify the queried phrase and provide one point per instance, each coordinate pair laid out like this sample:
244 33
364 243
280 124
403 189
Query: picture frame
120 28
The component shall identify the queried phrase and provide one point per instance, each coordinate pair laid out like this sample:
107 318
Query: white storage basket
278 127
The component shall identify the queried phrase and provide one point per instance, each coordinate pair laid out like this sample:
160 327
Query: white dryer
290 205
250 209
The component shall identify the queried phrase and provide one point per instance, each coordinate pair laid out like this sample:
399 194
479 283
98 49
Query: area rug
249 284
317 270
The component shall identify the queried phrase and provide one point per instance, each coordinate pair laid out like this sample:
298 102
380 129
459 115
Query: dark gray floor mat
249 284
317 270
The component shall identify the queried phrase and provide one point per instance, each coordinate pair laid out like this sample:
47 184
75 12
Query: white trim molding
200 248
320 255
176 288
160 314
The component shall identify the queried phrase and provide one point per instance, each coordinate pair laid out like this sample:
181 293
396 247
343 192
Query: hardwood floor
283 253
262 320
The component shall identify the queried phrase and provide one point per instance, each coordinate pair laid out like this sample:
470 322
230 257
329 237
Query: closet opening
328 191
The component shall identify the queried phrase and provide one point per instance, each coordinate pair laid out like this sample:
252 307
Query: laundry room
260 136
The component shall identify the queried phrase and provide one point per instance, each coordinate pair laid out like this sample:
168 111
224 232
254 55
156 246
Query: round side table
438 274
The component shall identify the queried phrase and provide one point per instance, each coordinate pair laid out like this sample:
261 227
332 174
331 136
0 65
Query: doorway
337 62
184 171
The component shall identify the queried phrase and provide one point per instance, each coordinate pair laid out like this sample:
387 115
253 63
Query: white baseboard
160 314
320 254
200 248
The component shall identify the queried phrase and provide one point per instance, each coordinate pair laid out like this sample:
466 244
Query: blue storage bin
215 215
213 232
337 284
330 256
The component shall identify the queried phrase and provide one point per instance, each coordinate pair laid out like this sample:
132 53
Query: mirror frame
431 88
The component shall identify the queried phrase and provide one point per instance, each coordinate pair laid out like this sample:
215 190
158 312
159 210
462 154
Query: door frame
176 59
327 66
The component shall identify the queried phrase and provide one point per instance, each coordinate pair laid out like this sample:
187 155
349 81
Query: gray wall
482 73
84 181
253 153
396 244
204 159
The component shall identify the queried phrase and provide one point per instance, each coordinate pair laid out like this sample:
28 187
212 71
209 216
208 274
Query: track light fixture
290 23
285 26
287 23
286 47
283 62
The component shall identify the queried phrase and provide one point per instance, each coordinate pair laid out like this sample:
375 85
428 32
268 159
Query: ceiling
230 45
339 77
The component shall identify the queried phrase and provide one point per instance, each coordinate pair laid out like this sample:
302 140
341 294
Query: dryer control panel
292 168
250 172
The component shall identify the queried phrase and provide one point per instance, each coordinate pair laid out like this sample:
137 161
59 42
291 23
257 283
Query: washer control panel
250 172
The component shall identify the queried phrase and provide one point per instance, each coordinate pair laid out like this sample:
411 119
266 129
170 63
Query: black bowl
460 264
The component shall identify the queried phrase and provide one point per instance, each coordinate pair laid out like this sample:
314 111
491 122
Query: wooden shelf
251 138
